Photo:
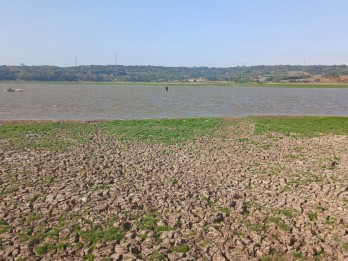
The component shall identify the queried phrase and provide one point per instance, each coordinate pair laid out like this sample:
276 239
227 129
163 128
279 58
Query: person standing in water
166 88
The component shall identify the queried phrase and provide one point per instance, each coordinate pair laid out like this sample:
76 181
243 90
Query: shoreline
227 118
198 84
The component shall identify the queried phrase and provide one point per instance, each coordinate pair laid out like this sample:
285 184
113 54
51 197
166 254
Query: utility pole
75 60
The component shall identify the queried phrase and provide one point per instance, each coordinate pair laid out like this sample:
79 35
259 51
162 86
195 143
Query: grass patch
167 131
8 190
345 247
50 136
306 126
96 234
4 227
157 233
112 220
225 210
43 249
163 228
312 216
258 228
245 208
62 245
298 256
62 136
181 249
279 223
113 233
53 233
148 222
89 257
286 212
157 256
272 258
210 203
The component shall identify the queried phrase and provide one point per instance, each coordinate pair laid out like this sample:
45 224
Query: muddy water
92 102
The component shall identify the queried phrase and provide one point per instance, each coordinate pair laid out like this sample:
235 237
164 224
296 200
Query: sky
212 33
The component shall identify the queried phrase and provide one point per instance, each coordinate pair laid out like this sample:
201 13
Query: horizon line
181 66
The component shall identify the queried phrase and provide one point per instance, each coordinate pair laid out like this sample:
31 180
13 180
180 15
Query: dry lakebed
252 188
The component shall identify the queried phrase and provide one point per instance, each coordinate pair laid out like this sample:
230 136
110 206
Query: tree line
121 73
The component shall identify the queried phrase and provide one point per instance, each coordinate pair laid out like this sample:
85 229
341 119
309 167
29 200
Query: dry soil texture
238 197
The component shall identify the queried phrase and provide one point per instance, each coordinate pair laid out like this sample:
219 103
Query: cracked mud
237 197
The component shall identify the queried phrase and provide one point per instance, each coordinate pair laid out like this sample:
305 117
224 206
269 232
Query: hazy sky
214 33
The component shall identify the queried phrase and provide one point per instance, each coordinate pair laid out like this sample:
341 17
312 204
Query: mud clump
234 198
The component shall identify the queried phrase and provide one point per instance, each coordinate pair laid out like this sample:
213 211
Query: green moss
8 190
4 229
312 216
245 208
345 247
112 220
166 131
210 203
272 258
89 257
257 227
206 242
163 228
279 223
181 249
298 256
306 126
78 245
44 248
62 245
148 222
97 234
62 136
113 233
225 210
286 212
53 233
156 238
51 136
157 256
24 237
92 236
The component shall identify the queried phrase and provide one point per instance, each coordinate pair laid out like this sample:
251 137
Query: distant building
197 80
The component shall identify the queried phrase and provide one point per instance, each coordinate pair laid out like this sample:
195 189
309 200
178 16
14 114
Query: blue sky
214 33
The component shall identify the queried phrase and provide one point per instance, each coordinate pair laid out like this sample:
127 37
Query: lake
111 102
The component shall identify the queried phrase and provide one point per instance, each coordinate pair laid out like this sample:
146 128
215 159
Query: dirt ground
238 197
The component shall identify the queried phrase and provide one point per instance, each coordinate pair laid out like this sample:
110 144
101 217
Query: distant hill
121 73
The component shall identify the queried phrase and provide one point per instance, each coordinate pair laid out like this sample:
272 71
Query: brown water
93 102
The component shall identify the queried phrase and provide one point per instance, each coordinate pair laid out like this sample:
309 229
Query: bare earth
242 197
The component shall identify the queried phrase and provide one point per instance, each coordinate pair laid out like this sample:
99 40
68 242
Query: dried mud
241 197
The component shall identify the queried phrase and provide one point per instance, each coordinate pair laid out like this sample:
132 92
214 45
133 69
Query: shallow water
95 102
